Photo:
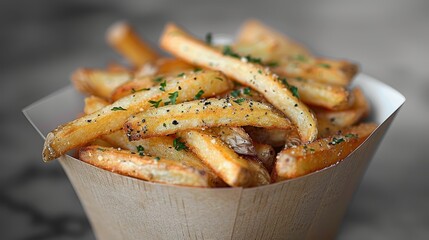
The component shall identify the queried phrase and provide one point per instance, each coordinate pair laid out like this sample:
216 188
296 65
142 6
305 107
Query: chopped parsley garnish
227 51
246 91
209 38
260 71
272 64
140 149
199 94
101 149
336 141
253 60
300 58
236 93
173 97
291 88
179 145
351 135
325 65
163 85
197 70
155 103
118 109
158 79
181 74
239 100
157 159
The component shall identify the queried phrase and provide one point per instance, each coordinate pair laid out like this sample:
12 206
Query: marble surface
42 42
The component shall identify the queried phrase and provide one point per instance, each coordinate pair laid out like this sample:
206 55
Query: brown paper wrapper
308 207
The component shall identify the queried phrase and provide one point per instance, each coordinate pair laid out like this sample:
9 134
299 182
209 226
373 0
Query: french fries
98 82
122 37
182 121
199 114
332 121
227 164
184 46
149 168
111 118
324 152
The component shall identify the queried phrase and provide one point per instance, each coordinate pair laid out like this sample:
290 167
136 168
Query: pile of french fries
260 110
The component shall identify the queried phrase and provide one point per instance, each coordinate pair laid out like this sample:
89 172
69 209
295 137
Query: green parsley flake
181 74
179 145
272 64
157 159
291 88
351 135
246 91
155 103
209 38
140 149
325 65
227 51
173 97
235 93
101 149
336 141
197 70
143 89
118 109
239 100
199 94
163 85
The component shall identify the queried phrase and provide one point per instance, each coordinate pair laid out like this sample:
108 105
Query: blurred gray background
42 42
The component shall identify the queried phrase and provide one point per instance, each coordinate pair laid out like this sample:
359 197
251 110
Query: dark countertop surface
42 42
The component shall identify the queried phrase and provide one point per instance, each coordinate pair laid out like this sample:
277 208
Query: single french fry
148 168
184 46
332 121
329 96
266 154
205 113
228 165
122 37
111 118
324 152
236 138
99 82
257 39
338 72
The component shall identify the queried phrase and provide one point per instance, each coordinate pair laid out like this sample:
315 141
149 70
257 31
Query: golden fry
307 158
184 46
199 114
148 168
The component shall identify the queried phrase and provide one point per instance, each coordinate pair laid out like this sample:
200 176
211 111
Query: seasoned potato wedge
99 82
228 165
123 38
148 168
182 45
307 158
200 114
111 118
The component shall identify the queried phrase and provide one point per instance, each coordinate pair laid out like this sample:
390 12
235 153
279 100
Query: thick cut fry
274 137
199 114
98 82
259 174
266 154
136 85
332 121
182 45
122 37
228 165
337 72
321 94
148 168
304 159
236 138
256 39
111 118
